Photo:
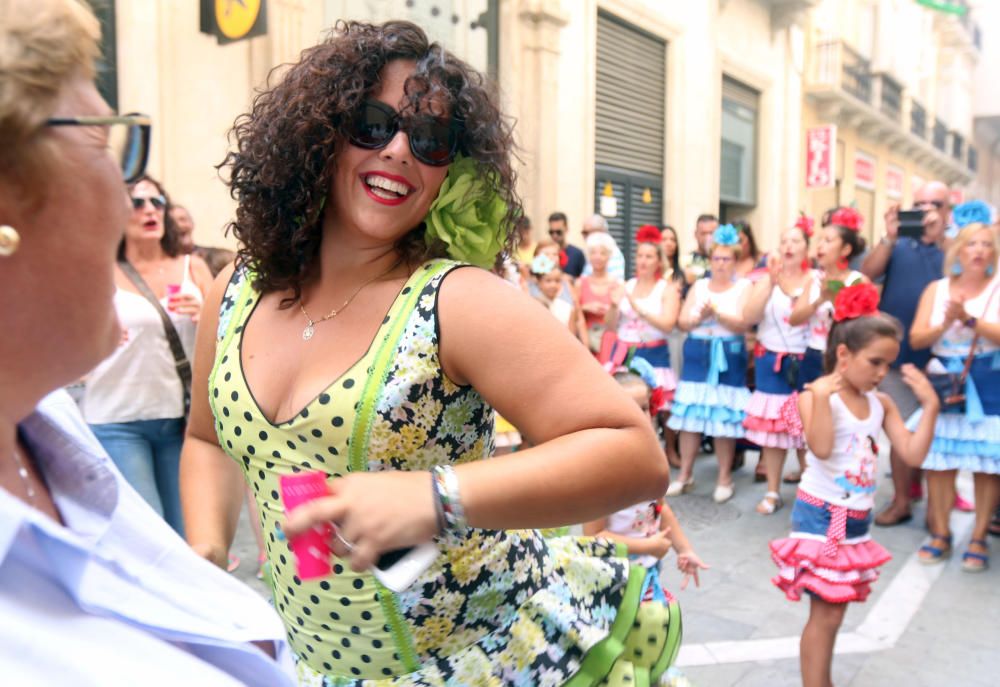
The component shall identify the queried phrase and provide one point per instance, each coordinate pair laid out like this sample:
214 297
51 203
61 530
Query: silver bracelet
450 498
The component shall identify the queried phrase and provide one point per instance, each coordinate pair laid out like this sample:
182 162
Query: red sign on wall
864 170
821 150
893 181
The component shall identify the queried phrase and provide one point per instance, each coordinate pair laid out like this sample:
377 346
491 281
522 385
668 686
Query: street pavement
923 626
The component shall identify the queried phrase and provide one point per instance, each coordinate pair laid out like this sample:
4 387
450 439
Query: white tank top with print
822 319
631 327
774 332
728 302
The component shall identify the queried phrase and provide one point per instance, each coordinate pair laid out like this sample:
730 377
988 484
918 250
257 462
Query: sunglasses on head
432 141
128 139
139 202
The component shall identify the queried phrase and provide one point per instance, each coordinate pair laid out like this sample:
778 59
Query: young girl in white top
549 279
649 529
829 554
712 393
778 355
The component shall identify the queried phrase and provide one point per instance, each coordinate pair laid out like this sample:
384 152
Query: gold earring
9 240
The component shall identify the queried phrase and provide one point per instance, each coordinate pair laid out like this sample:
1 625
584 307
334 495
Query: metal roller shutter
630 123
631 66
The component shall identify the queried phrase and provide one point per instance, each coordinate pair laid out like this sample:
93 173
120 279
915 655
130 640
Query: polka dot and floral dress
497 607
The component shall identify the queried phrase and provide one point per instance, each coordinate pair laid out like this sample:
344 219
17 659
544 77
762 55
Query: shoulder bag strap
181 363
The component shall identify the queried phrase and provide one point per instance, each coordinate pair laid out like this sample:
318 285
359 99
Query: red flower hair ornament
847 217
854 301
647 233
805 223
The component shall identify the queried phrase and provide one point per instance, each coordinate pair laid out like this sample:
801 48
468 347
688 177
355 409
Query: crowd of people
348 338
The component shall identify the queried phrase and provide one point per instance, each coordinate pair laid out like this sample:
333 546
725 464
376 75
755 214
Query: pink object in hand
172 291
312 548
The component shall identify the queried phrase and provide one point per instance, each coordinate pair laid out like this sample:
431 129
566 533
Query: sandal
234 562
928 554
723 492
678 487
973 561
889 517
792 477
770 503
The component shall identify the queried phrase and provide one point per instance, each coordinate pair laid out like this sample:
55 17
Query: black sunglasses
128 139
139 202
432 141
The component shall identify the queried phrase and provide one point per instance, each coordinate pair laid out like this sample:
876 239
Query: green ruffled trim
373 388
673 642
597 663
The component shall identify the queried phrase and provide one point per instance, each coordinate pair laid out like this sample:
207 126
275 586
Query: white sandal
770 503
678 487
723 492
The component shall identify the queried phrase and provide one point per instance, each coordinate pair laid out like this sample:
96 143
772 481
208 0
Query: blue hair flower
971 212
641 367
726 235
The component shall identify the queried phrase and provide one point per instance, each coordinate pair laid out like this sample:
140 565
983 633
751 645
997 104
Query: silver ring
336 533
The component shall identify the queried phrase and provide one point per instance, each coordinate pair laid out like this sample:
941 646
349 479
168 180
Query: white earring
9 240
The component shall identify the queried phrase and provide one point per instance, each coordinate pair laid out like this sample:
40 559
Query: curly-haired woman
348 342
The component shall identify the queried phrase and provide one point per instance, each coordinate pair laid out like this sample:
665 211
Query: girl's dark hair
674 261
169 242
858 333
286 147
848 236
744 228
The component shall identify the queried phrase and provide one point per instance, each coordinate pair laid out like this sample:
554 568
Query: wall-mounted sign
957 196
864 171
821 156
233 20
894 182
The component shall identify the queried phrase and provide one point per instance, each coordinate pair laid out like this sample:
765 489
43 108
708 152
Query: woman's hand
707 311
774 265
617 293
954 311
827 385
920 385
185 304
374 512
689 564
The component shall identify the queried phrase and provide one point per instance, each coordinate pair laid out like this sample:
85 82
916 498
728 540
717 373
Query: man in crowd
575 260
616 264
908 266
696 263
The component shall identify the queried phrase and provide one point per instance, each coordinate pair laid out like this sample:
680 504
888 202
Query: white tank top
631 327
822 319
957 338
847 477
774 333
139 380
640 522
561 310
728 302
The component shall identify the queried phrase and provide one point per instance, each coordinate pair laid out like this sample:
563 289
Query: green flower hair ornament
467 215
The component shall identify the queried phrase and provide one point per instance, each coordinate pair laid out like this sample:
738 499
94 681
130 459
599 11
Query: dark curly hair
169 242
286 146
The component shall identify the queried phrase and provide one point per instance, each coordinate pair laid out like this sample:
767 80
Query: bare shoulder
887 403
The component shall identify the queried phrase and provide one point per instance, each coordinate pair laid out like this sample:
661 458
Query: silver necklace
25 476
310 328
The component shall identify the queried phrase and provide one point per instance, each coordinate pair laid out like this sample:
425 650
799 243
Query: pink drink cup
172 290
312 548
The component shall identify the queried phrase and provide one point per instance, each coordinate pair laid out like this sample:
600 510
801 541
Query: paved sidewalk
740 630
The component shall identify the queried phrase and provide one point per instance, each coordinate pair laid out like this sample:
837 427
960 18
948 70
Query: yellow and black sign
233 20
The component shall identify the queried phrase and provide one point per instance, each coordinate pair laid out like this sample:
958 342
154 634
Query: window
738 159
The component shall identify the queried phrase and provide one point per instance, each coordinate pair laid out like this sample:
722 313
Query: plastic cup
311 548
172 290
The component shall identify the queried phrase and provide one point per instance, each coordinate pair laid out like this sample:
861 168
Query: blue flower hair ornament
467 215
726 235
542 264
971 212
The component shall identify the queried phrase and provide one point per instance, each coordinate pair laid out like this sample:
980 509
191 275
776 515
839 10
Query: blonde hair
43 44
964 236
735 247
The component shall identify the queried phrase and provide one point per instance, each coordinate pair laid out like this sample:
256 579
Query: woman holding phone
352 340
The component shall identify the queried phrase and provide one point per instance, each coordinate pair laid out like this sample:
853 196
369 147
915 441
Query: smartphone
399 569
911 223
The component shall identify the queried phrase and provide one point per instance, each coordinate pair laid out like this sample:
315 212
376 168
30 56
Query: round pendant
308 332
